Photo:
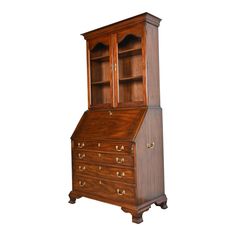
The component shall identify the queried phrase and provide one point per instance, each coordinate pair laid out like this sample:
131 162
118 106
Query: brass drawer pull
150 145
120 174
82 168
120 160
80 145
82 184
120 192
81 156
122 148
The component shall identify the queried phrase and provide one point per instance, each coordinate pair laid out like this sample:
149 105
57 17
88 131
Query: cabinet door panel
130 60
100 77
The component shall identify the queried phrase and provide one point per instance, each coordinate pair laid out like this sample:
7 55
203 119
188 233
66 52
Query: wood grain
112 124
115 173
101 157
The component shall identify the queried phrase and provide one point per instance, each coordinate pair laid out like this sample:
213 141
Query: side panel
149 161
152 60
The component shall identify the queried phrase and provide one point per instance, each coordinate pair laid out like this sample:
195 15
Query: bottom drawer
104 188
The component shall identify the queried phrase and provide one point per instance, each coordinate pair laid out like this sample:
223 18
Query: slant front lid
114 124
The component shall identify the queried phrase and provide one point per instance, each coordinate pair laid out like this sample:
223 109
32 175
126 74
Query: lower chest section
104 170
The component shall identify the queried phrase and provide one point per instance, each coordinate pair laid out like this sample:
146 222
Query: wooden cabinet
117 146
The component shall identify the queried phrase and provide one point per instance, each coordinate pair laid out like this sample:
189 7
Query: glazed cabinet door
100 81
117 69
130 63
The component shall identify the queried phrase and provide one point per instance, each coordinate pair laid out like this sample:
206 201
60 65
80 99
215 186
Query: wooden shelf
138 77
101 82
130 52
100 58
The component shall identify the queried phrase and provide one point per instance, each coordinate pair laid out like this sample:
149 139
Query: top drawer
103 146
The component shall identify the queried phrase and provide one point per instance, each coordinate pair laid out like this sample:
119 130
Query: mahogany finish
112 159
117 146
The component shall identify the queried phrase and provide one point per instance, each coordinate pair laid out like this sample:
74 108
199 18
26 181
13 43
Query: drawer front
114 173
103 146
106 189
105 158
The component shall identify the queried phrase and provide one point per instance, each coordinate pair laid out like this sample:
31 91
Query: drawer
114 173
104 188
104 158
103 146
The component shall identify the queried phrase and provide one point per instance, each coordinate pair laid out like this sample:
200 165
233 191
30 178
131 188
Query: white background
43 93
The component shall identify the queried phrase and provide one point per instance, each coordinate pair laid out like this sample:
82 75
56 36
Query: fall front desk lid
113 124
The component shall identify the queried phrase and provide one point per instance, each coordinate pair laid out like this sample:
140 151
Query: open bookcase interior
100 81
101 94
99 57
131 91
130 69
99 51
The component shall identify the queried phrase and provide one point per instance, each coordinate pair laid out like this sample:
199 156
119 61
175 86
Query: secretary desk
117 146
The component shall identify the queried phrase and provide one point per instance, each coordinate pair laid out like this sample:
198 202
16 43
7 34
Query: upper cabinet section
123 66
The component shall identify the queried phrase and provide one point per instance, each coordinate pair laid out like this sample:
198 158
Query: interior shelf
100 58
101 82
130 52
138 77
